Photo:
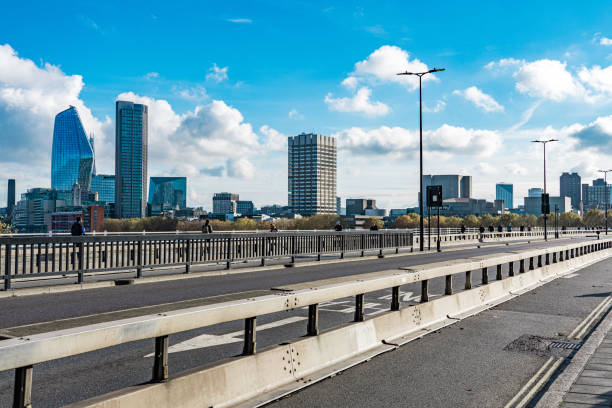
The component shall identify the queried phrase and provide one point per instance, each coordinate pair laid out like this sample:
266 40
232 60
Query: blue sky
227 82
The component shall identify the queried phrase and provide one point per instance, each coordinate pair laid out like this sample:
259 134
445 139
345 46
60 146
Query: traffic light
434 196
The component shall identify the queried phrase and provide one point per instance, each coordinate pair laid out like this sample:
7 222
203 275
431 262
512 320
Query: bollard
424 291
250 343
448 290
511 269
313 320
395 298
22 394
485 276
160 361
499 273
468 280
359 308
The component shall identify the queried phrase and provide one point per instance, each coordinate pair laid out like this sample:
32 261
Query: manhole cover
543 346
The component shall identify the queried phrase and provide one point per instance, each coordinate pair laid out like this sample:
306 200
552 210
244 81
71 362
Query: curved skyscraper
72 156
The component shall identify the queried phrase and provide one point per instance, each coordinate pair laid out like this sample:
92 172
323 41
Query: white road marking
210 340
571 275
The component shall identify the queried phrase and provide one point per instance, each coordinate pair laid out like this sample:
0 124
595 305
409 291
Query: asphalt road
76 378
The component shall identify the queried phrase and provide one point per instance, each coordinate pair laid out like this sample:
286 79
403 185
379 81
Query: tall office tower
10 198
453 185
104 185
170 192
585 196
131 136
312 174
504 191
71 155
338 205
225 203
535 192
570 187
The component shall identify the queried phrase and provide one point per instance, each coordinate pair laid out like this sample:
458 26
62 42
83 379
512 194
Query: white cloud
385 63
547 79
605 41
217 74
240 20
480 99
597 78
151 76
360 102
504 62
440 105
274 140
516 169
485 168
350 83
294 114
240 168
397 142
195 93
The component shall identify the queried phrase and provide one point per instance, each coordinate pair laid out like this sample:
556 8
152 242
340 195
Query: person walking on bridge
207 228
77 228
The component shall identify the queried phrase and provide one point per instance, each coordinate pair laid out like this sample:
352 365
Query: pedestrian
481 229
509 229
522 228
273 227
491 228
500 228
338 226
374 227
207 228
462 229
77 228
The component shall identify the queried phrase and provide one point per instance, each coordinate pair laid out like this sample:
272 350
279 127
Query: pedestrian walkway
593 387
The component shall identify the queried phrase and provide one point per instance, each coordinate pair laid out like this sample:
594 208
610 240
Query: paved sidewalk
593 387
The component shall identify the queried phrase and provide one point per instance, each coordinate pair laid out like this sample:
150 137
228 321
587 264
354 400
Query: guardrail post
293 249
554 260
425 290
187 255
397 243
313 320
547 259
342 246
7 266
498 276
531 268
510 268
380 245
448 289
22 394
229 253
362 244
468 280
359 309
318 247
395 298
485 276
139 260
250 343
160 362
81 272
539 261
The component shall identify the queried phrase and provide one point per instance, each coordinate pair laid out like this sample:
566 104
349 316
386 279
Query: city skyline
222 120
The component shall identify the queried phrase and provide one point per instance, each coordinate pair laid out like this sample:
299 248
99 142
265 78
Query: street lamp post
544 144
607 193
420 75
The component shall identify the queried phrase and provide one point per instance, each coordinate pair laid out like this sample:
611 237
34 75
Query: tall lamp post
607 193
420 75
544 144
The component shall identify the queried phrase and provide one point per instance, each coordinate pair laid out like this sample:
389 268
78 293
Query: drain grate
564 345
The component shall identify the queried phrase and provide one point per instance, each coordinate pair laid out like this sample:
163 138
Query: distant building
131 152
225 203
274 210
597 195
61 221
461 207
357 206
10 198
338 205
376 212
533 205
246 208
453 185
170 192
71 154
312 174
535 192
504 191
570 186
104 185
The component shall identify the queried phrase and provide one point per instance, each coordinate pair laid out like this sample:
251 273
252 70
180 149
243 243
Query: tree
373 221
406 221
570 219
471 221
244 224
510 219
5 228
594 218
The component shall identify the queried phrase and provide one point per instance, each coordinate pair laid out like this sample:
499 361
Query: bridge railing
23 353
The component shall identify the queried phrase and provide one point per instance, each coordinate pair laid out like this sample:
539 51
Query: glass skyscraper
72 156
505 192
104 185
168 192
131 136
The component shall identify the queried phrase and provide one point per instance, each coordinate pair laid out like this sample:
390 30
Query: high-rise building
131 136
71 154
312 174
598 195
535 192
504 191
357 206
104 185
168 192
225 203
569 186
533 205
245 207
10 198
338 205
453 185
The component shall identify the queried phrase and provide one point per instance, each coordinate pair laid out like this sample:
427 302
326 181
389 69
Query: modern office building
71 154
225 203
10 198
131 137
597 195
453 185
535 192
104 185
533 205
170 192
357 206
338 205
570 186
505 191
245 207
461 207
312 174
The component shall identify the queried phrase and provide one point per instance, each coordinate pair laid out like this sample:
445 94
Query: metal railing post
22 394
448 289
485 275
250 339
229 253
342 246
7 266
313 320
395 298
81 272
468 280
425 290
318 247
499 273
160 362
359 309
139 260
510 268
